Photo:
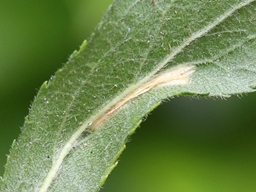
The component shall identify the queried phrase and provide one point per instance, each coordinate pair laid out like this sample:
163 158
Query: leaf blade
110 67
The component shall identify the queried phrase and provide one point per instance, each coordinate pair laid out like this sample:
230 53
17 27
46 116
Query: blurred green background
186 145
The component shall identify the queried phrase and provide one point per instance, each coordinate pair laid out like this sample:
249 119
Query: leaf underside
136 41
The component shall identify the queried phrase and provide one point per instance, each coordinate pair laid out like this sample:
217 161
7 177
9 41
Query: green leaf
140 54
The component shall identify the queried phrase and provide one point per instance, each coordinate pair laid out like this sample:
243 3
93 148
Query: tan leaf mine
179 75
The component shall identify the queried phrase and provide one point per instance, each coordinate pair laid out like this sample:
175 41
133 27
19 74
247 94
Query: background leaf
217 88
